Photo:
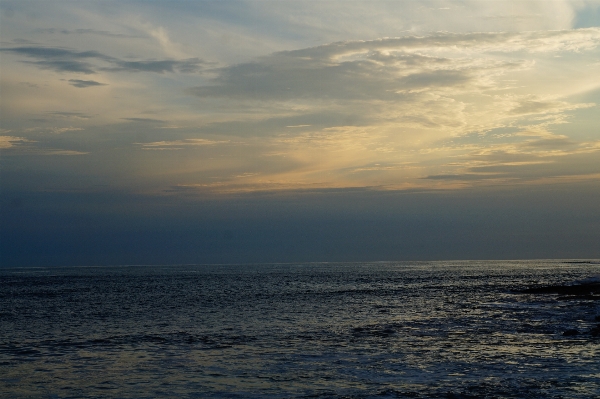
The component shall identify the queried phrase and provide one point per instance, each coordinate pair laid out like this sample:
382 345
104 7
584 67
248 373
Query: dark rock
589 291
571 332
597 318
595 332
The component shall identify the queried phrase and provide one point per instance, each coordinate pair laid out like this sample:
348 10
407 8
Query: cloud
85 83
144 120
386 69
549 143
12 141
531 104
88 32
529 160
466 176
190 65
59 59
412 111
62 152
165 42
69 115
21 144
64 66
555 170
399 78
90 62
380 166
399 98
178 144
59 130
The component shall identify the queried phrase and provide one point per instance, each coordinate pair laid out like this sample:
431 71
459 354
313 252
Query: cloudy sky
255 131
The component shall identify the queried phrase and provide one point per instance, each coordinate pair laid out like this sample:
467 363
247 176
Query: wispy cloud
12 141
61 152
90 62
145 120
88 32
59 130
70 115
25 146
178 144
85 83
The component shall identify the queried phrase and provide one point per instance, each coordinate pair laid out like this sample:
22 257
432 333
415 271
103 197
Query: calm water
424 330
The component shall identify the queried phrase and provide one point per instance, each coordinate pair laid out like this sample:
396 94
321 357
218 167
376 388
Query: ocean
459 329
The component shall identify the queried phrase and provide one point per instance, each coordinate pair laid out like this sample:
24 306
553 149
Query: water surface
321 330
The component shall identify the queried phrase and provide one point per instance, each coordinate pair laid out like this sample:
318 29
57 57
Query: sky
166 132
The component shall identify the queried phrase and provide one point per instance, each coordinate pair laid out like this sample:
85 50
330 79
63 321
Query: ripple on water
436 329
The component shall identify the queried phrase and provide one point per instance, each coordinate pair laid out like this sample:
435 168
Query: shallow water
321 330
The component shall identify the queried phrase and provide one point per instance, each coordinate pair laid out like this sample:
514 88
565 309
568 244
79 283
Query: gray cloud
60 59
190 65
87 32
54 53
144 120
384 69
464 176
281 77
549 143
85 83
529 160
65 60
353 71
76 115
64 66
534 41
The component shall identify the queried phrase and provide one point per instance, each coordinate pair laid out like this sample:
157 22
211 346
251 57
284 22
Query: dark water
370 330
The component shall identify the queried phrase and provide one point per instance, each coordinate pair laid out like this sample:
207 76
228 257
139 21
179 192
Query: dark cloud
89 62
64 66
60 59
190 65
85 83
55 53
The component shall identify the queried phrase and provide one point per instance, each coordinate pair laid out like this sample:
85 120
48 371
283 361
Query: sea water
318 330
